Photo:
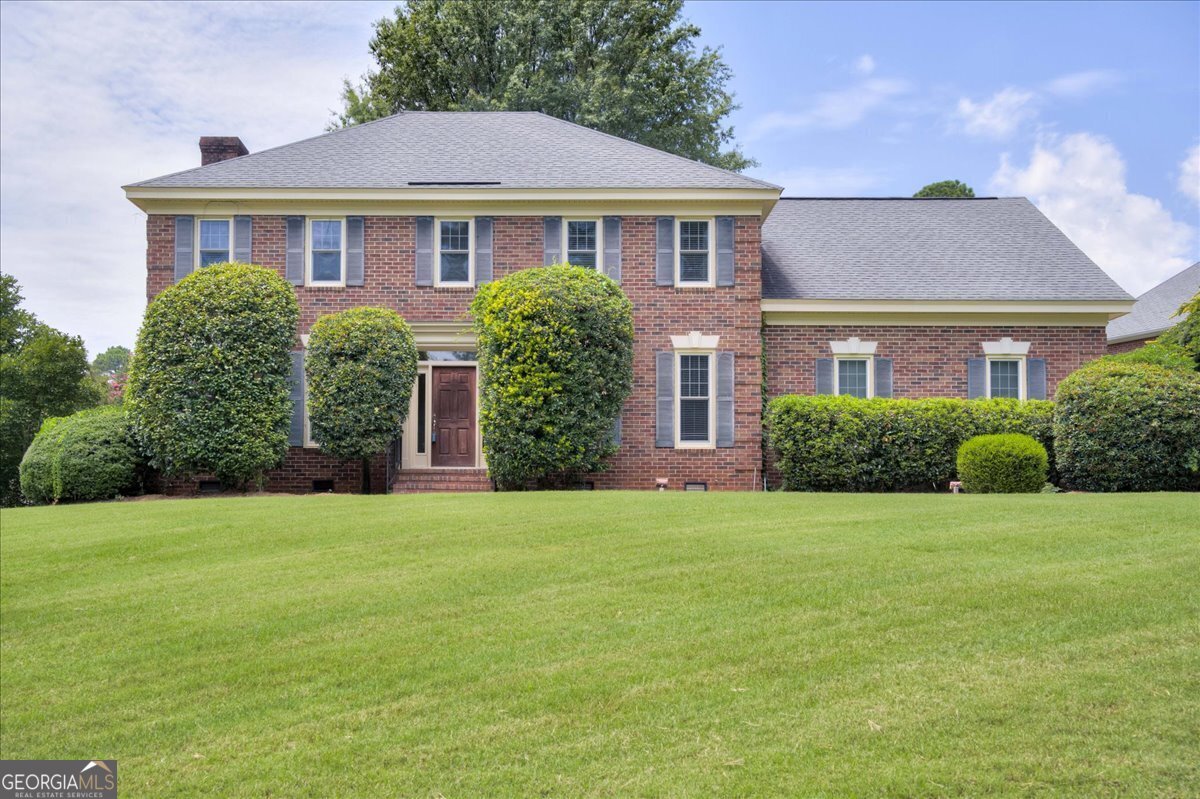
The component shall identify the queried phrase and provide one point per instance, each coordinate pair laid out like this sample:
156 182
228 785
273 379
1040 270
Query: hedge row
87 456
836 443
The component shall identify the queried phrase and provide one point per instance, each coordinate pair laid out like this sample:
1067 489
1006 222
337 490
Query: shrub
87 456
1128 427
1008 463
208 384
556 364
830 443
360 366
1155 353
1186 332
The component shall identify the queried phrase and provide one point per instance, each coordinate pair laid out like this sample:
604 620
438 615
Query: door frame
411 458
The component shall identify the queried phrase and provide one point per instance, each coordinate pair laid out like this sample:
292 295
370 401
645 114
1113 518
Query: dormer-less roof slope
500 149
1154 311
935 249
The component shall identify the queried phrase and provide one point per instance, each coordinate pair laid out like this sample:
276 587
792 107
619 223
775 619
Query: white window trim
308 252
1022 390
837 366
711 443
437 252
712 252
599 238
199 219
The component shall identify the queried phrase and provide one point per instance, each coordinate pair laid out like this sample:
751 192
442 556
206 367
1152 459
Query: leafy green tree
1186 333
631 68
360 366
946 188
112 362
208 384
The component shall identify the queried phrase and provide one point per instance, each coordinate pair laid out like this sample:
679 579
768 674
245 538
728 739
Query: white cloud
1083 84
1189 174
999 116
833 110
99 95
864 64
826 181
1078 181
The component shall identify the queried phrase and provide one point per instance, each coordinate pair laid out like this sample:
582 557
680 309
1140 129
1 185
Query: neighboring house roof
501 149
1154 311
924 249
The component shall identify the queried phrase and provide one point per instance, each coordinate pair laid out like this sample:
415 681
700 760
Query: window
581 245
421 413
454 252
694 264
853 377
325 252
1004 378
695 399
214 241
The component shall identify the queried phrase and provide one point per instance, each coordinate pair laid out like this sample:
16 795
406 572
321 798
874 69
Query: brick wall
928 360
1127 346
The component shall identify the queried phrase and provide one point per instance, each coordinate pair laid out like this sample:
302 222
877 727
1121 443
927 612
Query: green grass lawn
610 644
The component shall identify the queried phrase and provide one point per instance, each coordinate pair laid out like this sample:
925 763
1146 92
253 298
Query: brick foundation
301 466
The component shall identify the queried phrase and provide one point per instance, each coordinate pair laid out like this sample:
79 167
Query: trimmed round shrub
1008 463
90 455
556 364
37 467
360 366
208 384
1128 427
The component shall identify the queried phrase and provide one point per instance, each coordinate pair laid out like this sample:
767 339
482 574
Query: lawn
609 644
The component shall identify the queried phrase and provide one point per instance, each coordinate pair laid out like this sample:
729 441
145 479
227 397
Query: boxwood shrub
1122 426
37 467
835 443
90 455
1007 463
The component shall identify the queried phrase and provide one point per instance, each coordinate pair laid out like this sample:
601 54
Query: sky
1090 110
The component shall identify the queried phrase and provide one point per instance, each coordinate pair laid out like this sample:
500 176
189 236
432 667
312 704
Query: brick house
887 297
1154 312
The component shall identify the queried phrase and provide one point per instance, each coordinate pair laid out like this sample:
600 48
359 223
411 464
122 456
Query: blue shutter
296 394
664 262
724 250
295 250
483 250
242 231
424 262
612 247
664 423
552 240
355 251
1035 378
824 380
883 377
185 232
976 378
725 365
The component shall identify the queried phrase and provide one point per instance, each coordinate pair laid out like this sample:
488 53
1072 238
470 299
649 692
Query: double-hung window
1004 378
695 399
694 264
215 241
582 237
326 252
454 252
854 377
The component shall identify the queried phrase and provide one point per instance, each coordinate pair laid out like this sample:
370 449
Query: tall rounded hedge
90 455
556 364
1007 463
208 384
1122 426
360 365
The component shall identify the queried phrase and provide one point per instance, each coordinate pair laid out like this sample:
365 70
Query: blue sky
1091 110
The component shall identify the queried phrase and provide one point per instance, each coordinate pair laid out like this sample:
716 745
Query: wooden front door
453 416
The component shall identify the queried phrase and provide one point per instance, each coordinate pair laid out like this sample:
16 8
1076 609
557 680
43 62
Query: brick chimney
220 148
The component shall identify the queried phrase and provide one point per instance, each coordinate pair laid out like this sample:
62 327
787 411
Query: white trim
1022 389
1006 346
711 443
599 238
712 252
437 252
853 346
870 361
229 249
1145 334
308 252
793 311
695 341
426 194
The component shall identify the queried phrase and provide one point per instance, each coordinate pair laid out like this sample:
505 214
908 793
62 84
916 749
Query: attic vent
454 183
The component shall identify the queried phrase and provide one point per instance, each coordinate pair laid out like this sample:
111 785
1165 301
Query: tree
43 373
626 67
208 384
1186 332
112 362
556 364
360 366
946 188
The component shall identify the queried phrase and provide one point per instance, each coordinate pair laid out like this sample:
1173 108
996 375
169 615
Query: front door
454 416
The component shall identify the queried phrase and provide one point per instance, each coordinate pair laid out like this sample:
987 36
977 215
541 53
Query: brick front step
421 481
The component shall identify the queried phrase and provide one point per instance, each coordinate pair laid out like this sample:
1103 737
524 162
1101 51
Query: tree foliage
208 385
556 365
946 188
1186 332
360 367
631 68
112 362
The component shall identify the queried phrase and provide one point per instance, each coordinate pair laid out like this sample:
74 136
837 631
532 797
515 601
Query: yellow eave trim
448 194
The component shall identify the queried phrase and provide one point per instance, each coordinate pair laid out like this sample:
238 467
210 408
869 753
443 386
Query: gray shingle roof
507 148
1155 310
903 249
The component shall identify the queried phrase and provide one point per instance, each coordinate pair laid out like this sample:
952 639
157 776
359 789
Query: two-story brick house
870 297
